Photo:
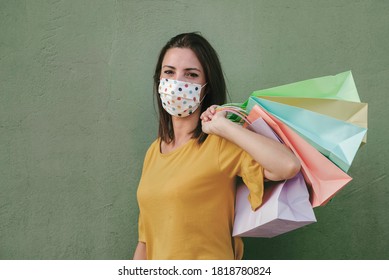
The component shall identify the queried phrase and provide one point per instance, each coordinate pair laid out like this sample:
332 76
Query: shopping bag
324 179
285 205
351 112
338 140
340 86
335 96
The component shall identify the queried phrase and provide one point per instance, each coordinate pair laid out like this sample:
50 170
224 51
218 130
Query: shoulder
212 142
151 153
155 144
220 145
154 147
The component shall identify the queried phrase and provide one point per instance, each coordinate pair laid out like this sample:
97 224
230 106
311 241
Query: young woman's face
182 64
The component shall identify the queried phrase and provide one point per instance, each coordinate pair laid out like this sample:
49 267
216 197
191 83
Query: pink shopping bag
322 176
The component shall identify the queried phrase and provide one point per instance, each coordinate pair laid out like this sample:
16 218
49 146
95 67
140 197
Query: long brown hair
215 91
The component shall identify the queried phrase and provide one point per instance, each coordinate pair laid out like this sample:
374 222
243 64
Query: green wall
76 115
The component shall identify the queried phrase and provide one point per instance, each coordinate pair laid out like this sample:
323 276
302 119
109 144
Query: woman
186 193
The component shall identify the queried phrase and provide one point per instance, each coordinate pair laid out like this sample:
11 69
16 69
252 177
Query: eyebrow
187 69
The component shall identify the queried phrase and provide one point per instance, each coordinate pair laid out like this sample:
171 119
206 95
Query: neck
184 127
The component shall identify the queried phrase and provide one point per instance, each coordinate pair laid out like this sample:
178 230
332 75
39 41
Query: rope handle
236 111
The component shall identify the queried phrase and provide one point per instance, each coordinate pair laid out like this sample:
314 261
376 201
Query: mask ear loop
201 100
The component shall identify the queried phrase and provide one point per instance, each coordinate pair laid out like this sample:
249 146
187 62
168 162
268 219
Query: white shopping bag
285 207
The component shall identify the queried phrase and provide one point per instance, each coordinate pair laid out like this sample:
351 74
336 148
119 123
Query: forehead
181 58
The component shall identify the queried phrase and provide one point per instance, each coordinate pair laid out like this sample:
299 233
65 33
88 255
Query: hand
212 120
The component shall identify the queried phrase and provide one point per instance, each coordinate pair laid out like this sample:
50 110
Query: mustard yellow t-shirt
186 199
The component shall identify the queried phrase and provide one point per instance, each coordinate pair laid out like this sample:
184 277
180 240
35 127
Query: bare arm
277 160
140 251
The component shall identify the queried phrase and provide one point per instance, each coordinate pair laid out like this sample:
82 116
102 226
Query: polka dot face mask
179 98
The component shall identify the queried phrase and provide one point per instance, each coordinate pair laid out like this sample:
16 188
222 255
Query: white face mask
179 98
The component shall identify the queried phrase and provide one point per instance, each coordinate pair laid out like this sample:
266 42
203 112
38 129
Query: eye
168 72
191 75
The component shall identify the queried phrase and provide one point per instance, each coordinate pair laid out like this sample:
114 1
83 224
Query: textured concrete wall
76 114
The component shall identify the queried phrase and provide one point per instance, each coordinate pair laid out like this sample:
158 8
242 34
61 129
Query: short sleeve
234 161
141 230
252 175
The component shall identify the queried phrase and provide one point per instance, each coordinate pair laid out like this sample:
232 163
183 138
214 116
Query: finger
213 109
222 113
